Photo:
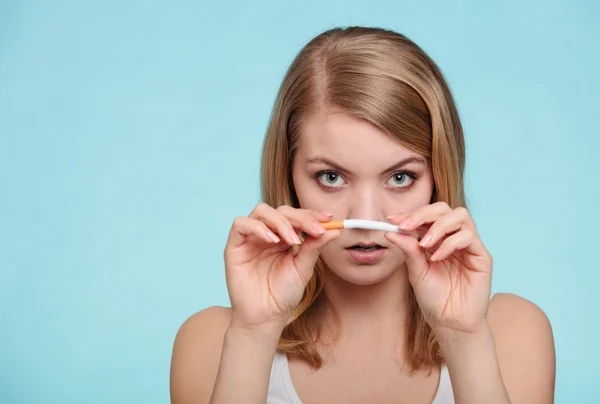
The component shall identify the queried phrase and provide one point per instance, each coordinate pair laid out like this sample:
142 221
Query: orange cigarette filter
333 225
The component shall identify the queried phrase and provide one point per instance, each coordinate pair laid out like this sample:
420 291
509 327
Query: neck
376 311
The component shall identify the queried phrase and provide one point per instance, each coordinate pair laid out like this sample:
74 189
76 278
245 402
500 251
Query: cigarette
361 224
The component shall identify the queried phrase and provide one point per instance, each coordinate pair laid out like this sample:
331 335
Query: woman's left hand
450 269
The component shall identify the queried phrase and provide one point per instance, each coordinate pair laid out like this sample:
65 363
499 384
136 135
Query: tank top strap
444 394
281 390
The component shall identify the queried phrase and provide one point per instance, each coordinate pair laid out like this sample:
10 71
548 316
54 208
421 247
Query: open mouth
366 248
366 253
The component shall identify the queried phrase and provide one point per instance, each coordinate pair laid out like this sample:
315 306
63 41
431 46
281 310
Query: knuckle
262 207
308 219
462 211
436 226
285 212
290 213
310 215
442 205
255 211
238 220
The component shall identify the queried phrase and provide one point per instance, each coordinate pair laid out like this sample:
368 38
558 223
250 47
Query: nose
367 204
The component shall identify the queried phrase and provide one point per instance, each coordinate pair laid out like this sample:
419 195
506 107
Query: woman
364 127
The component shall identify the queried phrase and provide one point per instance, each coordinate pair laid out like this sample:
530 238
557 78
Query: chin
359 273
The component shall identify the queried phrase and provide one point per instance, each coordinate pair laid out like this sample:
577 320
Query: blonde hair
382 77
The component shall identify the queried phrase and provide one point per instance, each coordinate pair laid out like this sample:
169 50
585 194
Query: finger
244 227
307 220
399 217
309 252
423 215
277 222
448 224
433 247
458 241
318 215
292 219
416 261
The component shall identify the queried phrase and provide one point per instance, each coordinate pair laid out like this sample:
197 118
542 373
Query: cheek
309 194
427 189
303 189
412 200
311 197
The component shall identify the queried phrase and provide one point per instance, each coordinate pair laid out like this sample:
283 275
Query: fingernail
425 241
327 214
435 256
294 237
406 223
317 228
273 237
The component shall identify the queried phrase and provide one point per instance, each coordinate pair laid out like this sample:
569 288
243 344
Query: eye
330 179
401 180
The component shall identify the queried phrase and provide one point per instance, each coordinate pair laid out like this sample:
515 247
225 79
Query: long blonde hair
382 77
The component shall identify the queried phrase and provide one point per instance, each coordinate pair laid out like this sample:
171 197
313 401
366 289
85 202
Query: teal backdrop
130 135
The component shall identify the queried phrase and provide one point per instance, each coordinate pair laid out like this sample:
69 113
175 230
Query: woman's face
350 168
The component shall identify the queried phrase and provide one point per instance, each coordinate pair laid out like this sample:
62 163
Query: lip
367 257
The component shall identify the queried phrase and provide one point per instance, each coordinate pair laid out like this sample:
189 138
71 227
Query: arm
196 355
511 361
497 352
215 362
223 356
245 366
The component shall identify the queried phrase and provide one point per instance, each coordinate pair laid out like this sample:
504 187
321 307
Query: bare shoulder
196 355
506 309
525 348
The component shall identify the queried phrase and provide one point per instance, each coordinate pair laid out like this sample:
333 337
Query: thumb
310 250
416 262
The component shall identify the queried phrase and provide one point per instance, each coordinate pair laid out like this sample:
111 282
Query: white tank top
281 390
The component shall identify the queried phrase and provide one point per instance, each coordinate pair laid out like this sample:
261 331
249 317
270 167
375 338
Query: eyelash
410 174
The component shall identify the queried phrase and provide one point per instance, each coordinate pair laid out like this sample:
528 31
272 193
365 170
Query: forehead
349 140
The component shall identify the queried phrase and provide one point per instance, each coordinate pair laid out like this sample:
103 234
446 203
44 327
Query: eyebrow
400 164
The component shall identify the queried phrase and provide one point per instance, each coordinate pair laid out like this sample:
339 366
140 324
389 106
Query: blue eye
401 180
330 179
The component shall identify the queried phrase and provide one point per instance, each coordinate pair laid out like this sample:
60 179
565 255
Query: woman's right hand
265 279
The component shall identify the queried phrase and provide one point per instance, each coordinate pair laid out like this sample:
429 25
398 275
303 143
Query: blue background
130 137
